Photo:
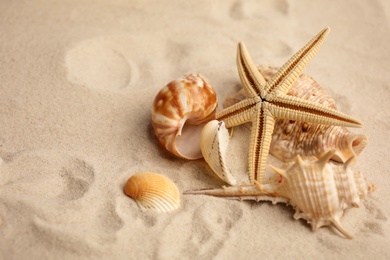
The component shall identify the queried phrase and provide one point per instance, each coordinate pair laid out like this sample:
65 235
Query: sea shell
153 191
213 143
292 138
320 191
179 113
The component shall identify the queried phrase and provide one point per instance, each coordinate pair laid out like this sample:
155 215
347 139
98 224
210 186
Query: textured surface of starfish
267 101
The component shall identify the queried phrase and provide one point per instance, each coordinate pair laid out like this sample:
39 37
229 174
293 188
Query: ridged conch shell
292 138
320 191
179 113
153 191
213 143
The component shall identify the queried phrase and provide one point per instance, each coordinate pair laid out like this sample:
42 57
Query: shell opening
188 143
359 143
354 146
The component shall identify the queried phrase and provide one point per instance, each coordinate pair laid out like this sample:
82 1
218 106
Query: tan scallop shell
153 191
320 191
292 138
179 113
214 143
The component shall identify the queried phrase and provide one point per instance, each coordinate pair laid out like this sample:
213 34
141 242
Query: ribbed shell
292 138
319 190
214 143
180 109
153 191
347 189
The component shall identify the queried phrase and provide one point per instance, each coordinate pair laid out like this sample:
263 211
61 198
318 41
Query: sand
77 82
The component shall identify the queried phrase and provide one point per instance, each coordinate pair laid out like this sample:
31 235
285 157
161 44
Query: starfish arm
238 114
261 136
293 108
292 69
250 76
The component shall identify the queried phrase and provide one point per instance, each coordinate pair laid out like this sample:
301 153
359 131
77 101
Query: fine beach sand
77 82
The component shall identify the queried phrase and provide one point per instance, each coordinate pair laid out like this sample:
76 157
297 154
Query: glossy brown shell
179 112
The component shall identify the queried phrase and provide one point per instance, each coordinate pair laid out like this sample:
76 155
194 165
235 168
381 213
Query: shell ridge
153 191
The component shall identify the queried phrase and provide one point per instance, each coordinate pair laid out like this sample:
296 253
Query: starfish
267 101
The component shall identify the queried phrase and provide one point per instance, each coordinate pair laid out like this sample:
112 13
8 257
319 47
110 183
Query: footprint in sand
47 191
102 64
211 228
374 218
96 233
47 174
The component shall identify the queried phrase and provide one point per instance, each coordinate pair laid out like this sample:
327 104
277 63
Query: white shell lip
214 142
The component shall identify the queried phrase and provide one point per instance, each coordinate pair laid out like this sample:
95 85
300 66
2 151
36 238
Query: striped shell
292 138
153 191
320 191
179 113
213 143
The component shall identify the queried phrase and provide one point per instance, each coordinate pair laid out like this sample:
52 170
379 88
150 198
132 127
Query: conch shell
153 191
320 191
292 138
179 113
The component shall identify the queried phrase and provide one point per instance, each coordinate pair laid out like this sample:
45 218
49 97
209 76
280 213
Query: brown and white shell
179 112
153 191
292 138
320 191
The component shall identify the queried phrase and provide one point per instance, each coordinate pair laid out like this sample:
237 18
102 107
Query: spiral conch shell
292 138
320 191
179 112
153 191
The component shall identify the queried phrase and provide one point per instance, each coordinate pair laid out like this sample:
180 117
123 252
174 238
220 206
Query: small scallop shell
213 143
153 191
292 138
179 113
